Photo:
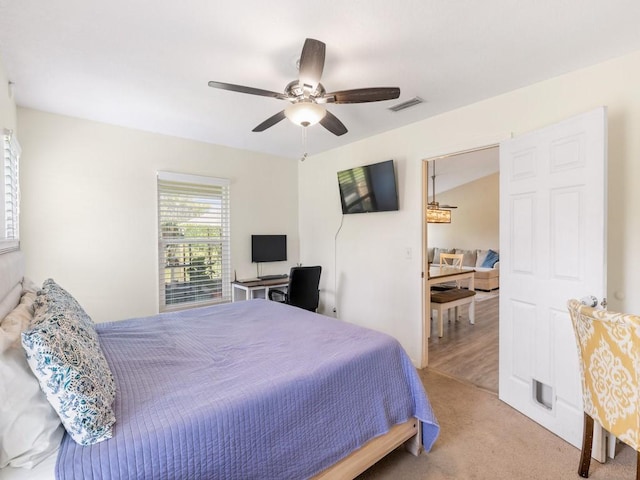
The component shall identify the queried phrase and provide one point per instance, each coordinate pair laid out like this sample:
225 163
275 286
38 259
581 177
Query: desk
439 274
256 289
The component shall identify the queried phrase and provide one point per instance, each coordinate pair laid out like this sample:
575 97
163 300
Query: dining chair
450 260
450 296
609 353
450 299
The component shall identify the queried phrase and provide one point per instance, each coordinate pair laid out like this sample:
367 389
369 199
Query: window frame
10 192
216 191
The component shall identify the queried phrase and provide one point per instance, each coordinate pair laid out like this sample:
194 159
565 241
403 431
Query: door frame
426 299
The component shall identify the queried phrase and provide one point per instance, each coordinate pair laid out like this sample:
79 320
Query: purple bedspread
246 390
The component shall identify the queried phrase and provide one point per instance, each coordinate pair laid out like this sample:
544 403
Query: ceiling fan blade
269 122
311 63
250 90
448 206
363 95
331 123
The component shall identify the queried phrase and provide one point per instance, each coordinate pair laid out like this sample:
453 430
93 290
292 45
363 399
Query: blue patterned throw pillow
64 353
491 259
54 303
53 300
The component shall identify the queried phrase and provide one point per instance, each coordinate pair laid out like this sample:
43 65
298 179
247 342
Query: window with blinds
9 208
194 240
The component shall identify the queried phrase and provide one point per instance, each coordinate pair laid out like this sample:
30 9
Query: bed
252 389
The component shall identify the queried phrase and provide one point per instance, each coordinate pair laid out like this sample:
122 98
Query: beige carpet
483 438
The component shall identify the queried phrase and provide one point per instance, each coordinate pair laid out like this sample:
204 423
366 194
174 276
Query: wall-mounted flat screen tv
371 188
268 248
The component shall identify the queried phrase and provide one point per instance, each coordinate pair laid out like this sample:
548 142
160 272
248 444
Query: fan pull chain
304 144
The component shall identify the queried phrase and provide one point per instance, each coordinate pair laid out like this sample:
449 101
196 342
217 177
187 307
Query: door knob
589 301
592 301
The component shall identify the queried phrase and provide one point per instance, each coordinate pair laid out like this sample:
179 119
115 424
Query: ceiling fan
308 96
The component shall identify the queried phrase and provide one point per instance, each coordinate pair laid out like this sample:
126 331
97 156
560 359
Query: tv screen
371 188
268 248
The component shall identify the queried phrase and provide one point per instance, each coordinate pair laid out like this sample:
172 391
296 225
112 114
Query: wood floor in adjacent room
469 352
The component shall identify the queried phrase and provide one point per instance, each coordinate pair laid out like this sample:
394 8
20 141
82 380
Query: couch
485 262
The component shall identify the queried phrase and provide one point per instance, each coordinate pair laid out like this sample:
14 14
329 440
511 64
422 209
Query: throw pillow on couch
472 258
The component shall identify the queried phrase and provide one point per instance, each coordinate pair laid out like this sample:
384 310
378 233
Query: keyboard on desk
273 277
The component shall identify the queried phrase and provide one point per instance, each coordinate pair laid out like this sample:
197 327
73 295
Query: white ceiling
145 63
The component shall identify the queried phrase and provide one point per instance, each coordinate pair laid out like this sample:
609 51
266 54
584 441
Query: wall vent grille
408 104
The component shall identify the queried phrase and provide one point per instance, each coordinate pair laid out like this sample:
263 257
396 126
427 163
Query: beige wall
475 224
88 215
377 284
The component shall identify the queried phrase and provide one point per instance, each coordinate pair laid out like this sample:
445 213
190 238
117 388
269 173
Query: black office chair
302 290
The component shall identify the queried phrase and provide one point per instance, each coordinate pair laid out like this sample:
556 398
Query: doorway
467 184
553 244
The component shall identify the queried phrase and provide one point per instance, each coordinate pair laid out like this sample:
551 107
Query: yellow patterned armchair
609 350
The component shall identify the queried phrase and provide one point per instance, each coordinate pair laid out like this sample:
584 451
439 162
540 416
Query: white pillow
30 429
10 301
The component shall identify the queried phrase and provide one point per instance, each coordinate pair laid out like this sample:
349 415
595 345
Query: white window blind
194 240
9 193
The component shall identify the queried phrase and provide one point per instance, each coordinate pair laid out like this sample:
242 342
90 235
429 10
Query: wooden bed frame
408 433
357 462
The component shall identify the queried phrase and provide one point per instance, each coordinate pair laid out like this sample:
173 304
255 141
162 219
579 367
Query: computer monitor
268 248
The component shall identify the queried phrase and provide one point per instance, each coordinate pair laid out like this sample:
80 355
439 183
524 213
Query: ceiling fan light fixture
307 95
305 113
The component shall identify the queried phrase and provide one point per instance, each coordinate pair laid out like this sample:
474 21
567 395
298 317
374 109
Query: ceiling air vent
408 104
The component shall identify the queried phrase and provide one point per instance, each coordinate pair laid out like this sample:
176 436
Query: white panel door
552 248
